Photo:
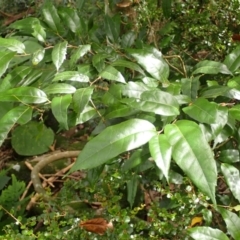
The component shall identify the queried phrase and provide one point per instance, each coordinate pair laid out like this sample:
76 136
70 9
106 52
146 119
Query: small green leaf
38 56
81 98
98 61
112 26
71 76
10 119
232 60
161 151
38 31
24 94
132 186
12 45
202 110
193 154
5 59
229 156
134 89
207 233
113 141
111 73
120 110
78 53
60 109
32 139
59 88
190 87
232 177
59 54
87 114
232 221
152 61
135 160
52 18
235 112
211 67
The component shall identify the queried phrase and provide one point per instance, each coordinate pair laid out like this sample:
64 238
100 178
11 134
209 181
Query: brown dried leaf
96 225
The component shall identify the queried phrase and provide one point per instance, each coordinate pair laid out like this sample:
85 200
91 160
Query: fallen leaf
196 221
96 225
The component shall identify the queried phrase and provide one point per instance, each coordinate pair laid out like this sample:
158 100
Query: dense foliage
156 91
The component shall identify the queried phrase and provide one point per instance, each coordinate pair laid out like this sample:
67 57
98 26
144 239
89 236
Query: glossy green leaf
81 98
12 45
193 154
157 102
132 186
207 233
128 39
38 31
98 61
24 94
5 59
71 76
59 54
202 110
232 177
87 114
52 18
120 110
152 61
214 91
32 138
232 221
232 60
9 120
26 116
78 53
235 112
190 87
134 89
57 88
60 109
112 27
134 160
38 56
70 18
211 67
127 64
161 151
111 73
113 141
234 82
229 156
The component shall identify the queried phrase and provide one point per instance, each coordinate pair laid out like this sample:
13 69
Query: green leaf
193 154
235 112
211 67
24 94
135 160
202 110
232 221
234 82
232 60
231 175
134 89
71 76
81 98
70 18
229 156
113 141
59 54
112 27
132 186
10 119
98 61
12 45
119 110
59 88
38 56
190 87
152 61
157 102
52 18
38 31
111 73
32 139
167 8
161 151
5 59
87 114
60 109
207 233
127 64
78 53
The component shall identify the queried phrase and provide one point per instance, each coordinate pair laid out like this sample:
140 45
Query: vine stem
44 161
